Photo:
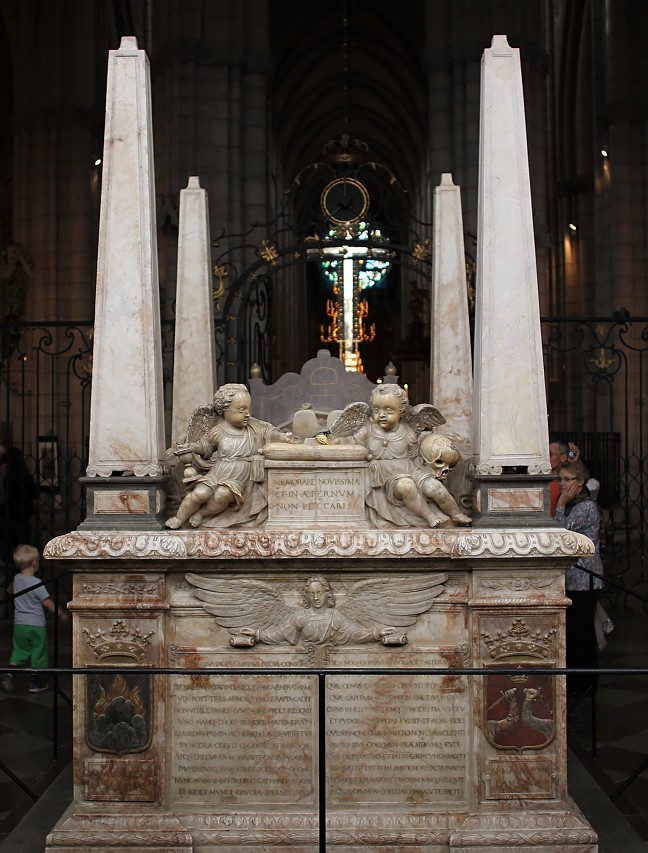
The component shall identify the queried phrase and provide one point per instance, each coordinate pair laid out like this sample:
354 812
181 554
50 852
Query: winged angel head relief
373 610
408 464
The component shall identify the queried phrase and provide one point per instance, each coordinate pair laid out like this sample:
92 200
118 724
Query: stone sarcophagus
202 760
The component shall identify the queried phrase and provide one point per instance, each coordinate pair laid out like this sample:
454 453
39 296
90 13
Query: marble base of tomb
130 503
511 500
207 762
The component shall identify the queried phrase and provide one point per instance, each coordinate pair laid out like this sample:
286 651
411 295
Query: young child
29 634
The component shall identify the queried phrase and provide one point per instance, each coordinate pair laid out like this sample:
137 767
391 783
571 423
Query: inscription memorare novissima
386 737
316 493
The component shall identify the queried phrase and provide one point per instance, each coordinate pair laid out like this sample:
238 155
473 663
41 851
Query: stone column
451 367
510 434
126 413
450 356
194 365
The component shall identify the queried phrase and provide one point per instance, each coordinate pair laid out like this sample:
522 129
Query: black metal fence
62 592
45 378
597 386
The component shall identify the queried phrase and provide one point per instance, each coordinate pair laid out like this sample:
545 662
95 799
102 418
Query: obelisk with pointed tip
451 353
194 365
451 374
509 408
126 412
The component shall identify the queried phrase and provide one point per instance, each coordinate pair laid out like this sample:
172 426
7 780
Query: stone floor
621 721
26 748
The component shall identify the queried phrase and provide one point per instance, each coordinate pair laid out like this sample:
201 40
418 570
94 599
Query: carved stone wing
425 416
392 602
201 421
240 603
353 416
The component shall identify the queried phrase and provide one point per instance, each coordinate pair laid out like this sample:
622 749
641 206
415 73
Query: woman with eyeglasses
577 511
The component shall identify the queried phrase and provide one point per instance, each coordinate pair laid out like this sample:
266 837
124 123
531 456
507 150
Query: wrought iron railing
46 374
321 675
597 387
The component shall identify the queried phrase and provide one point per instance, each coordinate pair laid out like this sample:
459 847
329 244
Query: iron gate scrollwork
242 326
45 371
45 385
595 370
252 269
596 387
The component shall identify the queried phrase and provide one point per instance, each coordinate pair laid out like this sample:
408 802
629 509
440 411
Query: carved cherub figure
222 461
401 484
373 610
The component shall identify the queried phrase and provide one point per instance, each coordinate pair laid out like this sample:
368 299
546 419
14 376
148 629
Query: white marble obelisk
509 406
126 412
194 366
451 373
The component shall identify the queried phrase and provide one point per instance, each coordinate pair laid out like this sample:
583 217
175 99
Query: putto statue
223 466
374 610
407 474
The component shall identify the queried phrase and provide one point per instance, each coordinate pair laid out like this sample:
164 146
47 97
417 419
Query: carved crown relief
519 708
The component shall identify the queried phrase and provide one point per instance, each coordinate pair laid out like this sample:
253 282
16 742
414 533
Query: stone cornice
451 544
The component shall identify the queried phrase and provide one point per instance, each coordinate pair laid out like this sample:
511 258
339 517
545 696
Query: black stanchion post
594 661
321 680
55 719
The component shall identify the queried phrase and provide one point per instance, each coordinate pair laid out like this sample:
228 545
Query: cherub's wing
392 602
425 416
240 603
353 416
201 421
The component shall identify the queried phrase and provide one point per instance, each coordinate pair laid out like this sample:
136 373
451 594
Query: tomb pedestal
208 762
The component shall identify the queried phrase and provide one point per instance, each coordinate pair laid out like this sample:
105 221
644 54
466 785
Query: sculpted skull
439 454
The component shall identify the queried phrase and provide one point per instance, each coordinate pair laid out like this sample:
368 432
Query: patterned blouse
582 516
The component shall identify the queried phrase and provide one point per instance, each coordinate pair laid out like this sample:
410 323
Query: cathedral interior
275 105
271 103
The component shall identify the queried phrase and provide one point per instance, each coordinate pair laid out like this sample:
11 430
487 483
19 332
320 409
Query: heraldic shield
119 707
519 710
119 712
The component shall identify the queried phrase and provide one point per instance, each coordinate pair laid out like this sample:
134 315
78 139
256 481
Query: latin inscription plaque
333 495
243 740
395 739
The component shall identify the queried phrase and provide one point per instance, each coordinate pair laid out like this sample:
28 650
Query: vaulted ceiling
364 77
